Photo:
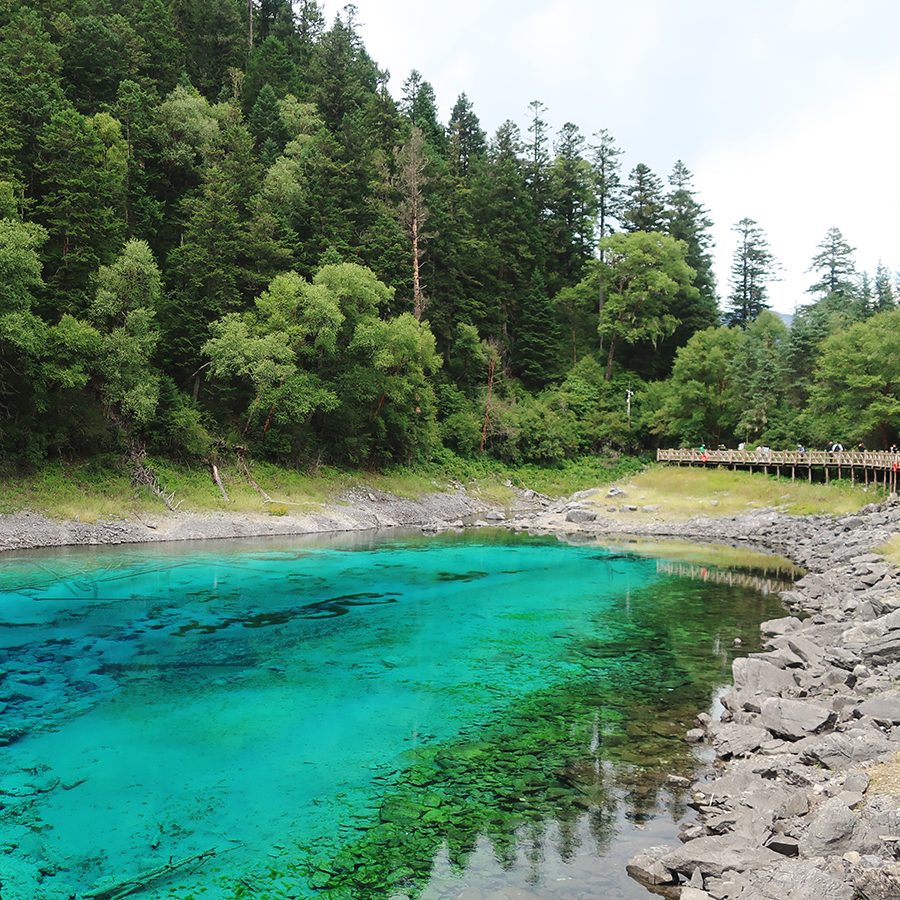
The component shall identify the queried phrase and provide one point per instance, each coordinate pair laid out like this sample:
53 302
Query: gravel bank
357 510
804 800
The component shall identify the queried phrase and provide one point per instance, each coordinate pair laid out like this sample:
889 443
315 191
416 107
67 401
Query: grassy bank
101 489
679 493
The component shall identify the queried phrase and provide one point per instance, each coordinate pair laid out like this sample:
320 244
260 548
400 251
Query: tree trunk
418 298
217 478
610 356
492 364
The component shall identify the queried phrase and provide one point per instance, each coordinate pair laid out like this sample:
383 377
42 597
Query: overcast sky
786 111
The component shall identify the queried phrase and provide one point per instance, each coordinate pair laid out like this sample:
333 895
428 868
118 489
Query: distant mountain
787 318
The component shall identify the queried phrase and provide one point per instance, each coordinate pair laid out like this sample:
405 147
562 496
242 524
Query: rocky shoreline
804 799
795 807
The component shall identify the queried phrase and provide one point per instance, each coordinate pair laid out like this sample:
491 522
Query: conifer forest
219 230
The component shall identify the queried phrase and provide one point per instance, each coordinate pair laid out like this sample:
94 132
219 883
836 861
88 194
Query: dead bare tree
409 181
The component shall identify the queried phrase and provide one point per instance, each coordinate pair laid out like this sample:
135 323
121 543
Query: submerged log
145 879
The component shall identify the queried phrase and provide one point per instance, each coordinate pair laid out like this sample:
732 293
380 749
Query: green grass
891 550
101 489
684 492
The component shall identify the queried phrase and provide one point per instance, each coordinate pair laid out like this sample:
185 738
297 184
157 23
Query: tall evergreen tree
98 52
608 181
687 220
571 210
419 105
537 339
268 126
163 52
644 206
885 294
213 34
466 139
82 171
537 154
30 90
752 268
835 267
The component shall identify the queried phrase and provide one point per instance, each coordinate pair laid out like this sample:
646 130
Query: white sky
786 111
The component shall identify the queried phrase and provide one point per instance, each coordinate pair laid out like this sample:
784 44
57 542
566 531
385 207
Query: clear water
467 716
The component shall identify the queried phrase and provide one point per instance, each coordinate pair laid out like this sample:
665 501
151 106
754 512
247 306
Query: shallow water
467 716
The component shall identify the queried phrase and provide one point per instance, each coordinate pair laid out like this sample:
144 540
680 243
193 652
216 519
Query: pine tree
136 108
268 126
213 34
608 181
572 210
418 104
163 52
644 207
687 220
885 294
82 171
467 141
752 268
835 266
30 90
537 338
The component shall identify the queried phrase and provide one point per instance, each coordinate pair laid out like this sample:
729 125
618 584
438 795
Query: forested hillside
218 229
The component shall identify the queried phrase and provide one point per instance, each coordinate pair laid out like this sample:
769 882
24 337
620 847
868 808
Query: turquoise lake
467 716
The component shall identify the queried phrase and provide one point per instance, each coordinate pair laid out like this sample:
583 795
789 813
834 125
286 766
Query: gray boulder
581 516
647 866
779 627
794 880
876 883
831 830
847 748
756 679
794 719
714 856
736 740
882 707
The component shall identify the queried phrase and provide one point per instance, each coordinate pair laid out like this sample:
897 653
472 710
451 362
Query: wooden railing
876 459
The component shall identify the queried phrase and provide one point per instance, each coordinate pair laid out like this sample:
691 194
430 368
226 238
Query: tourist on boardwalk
892 448
800 448
861 447
837 447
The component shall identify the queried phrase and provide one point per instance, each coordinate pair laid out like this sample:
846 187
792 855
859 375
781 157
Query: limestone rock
794 719
581 516
716 855
831 830
735 740
778 627
793 880
755 679
648 868
882 707
881 883
843 749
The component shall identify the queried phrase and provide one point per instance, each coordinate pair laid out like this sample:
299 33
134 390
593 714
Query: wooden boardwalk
877 467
